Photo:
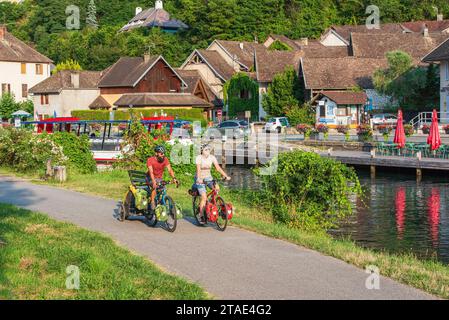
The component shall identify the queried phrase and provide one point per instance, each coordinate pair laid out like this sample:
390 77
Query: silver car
235 129
384 118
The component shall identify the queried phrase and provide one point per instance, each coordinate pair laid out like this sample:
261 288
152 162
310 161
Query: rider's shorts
202 187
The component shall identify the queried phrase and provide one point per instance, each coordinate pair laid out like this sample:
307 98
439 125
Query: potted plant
425 129
324 129
409 130
385 130
446 129
344 129
304 129
364 132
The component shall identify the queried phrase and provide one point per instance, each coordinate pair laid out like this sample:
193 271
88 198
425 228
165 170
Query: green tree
91 20
283 94
8 106
412 88
399 62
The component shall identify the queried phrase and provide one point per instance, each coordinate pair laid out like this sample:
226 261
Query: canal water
396 214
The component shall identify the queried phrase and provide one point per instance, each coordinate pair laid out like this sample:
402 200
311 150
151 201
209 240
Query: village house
345 57
340 107
346 74
440 55
340 35
65 92
150 82
155 17
22 67
219 62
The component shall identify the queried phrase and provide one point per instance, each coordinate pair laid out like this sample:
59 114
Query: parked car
385 118
235 129
276 124
180 129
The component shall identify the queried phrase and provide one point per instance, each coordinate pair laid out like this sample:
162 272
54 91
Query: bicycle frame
212 196
161 193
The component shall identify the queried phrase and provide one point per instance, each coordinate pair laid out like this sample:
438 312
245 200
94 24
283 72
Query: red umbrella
434 139
399 135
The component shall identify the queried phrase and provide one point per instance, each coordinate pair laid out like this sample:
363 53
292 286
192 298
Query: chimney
305 41
159 5
241 45
146 57
75 79
138 10
440 17
425 31
2 32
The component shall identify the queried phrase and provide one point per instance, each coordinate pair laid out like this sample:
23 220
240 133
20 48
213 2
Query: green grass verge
36 250
430 276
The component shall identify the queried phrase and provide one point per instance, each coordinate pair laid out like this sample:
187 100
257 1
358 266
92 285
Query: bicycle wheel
151 216
172 221
128 207
196 210
222 221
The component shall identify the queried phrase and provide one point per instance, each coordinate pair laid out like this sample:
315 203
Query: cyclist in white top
203 175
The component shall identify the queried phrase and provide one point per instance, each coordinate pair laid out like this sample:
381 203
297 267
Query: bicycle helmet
159 149
204 147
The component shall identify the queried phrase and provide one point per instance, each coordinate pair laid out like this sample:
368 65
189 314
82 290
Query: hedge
183 114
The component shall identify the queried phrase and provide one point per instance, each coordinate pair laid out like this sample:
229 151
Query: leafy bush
303 114
308 191
77 150
25 152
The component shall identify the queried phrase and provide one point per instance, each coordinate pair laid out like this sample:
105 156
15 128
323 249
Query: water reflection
400 215
396 213
400 211
434 215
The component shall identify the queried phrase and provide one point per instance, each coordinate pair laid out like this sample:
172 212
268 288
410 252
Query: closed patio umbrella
399 135
434 139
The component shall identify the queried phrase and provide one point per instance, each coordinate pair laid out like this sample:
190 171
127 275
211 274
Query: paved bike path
236 264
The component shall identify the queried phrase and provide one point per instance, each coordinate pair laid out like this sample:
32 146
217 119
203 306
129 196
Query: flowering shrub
25 152
446 129
364 132
425 129
77 151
